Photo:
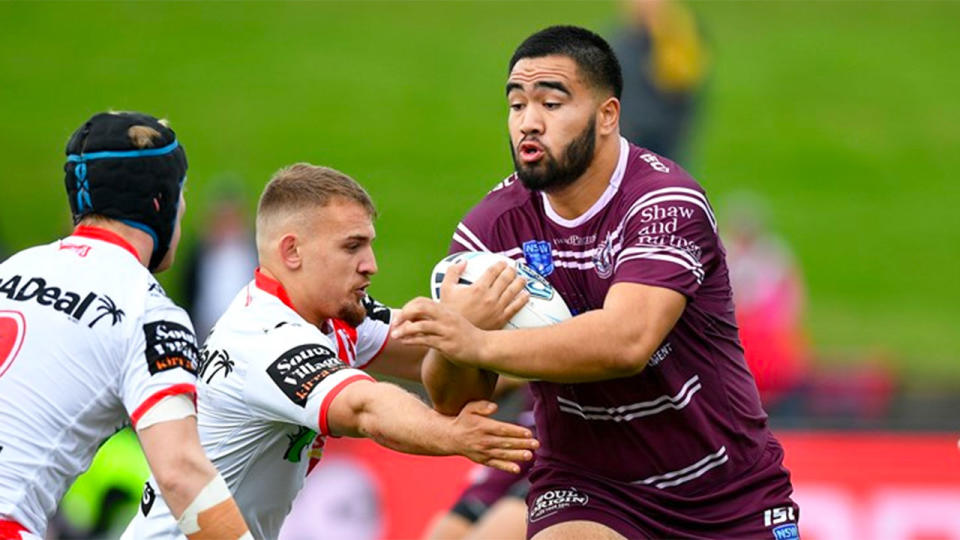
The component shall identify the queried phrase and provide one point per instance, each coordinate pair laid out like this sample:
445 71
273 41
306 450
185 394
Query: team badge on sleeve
169 346
301 369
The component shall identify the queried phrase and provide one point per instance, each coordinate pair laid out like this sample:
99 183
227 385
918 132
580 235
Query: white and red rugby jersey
89 342
266 380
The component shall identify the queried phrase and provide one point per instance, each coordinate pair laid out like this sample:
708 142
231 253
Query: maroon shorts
490 487
756 505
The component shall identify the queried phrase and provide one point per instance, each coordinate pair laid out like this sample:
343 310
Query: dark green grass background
845 115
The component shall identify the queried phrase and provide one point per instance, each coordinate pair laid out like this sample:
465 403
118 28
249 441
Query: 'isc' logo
785 518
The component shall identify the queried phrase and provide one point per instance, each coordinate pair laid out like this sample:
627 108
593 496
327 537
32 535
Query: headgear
113 173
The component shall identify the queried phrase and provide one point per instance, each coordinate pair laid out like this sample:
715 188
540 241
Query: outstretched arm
612 342
397 419
399 360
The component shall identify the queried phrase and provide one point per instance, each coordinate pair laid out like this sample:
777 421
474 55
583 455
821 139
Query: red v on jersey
12 329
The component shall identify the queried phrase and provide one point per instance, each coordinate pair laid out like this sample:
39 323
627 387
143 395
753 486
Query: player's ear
608 117
289 251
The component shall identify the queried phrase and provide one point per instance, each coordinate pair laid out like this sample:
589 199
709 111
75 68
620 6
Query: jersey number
12 329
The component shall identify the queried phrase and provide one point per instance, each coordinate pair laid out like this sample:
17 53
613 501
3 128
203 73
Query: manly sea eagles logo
301 369
538 255
603 258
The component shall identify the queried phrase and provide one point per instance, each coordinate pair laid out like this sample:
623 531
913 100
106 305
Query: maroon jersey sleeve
669 240
473 233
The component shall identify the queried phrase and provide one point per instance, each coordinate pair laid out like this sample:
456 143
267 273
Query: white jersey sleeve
299 378
161 359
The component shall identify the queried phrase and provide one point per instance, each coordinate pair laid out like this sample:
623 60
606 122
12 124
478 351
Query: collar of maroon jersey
269 285
86 231
614 184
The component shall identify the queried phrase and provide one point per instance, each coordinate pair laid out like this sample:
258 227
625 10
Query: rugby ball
545 306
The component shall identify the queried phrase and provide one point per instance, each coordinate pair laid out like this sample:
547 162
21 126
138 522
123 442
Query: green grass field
845 115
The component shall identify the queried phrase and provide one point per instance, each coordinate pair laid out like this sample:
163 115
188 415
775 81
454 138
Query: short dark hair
595 59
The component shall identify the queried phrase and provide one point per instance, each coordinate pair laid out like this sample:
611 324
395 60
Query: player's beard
352 313
549 173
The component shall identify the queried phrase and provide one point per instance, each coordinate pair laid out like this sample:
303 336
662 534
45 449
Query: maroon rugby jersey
692 418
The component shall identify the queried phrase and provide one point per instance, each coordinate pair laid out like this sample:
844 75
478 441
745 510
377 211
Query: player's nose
531 121
368 264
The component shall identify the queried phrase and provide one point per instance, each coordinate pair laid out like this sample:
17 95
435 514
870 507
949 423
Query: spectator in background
664 61
223 258
769 295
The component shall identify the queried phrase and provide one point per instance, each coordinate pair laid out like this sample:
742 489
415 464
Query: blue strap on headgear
83 186
146 152
83 183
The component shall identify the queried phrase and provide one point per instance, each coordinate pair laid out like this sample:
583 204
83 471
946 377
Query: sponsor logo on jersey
506 182
156 290
75 305
146 501
213 361
376 310
576 240
297 442
603 258
555 500
107 307
655 163
538 255
784 517
80 249
661 353
169 346
301 369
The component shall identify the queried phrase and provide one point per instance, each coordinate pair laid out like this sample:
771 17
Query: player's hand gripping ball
545 306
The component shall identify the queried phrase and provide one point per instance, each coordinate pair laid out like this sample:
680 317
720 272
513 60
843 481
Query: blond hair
302 186
142 136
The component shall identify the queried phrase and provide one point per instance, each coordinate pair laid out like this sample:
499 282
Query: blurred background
823 133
